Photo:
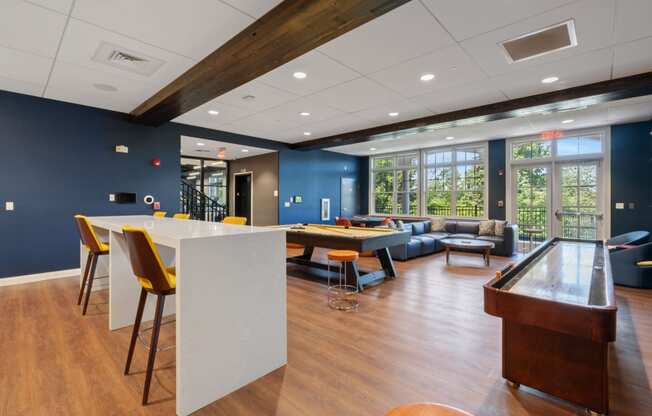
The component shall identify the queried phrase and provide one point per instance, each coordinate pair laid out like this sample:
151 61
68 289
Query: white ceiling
353 82
212 149
616 112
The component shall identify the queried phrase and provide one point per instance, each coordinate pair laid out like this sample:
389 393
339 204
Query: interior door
531 185
349 197
243 196
578 211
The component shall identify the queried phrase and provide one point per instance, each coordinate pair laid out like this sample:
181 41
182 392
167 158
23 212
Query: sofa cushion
418 228
464 235
438 224
436 236
492 238
427 244
450 227
414 248
487 227
500 228
467 227
427 226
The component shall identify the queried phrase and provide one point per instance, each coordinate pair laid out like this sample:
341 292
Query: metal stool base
343 297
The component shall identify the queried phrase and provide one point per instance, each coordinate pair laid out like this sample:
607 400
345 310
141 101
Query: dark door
243 196
349 197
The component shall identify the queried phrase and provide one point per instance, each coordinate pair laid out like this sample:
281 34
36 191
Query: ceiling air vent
126 59
541 42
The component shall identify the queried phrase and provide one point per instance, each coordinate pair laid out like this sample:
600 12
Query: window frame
394 169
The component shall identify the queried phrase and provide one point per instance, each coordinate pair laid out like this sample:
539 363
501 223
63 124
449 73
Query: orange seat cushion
426 409
296 246
343 255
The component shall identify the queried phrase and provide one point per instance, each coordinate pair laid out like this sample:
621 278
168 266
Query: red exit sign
552 134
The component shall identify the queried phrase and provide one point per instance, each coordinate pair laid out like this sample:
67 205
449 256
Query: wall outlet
121 148
275 192
9 206
632 205
620 205
287 204
111 197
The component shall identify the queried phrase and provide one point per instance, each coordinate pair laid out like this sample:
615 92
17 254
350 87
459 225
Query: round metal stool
426 409
342 296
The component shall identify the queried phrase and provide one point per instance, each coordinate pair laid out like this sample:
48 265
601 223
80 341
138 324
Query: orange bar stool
294 246
342 296
181 216
235 220
96 248
155 278
159 214
426 409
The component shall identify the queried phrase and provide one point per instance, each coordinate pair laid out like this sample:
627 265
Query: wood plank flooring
421 337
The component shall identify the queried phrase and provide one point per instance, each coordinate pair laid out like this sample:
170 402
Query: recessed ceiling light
306 133
567 121
244 150
304 113
213 112
549 80
372 149
427 77
200 144
249 97
392 114
105 87
449 137
299 75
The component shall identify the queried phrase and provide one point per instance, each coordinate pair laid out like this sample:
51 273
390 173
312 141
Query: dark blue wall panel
314 175
631 177
58 159
497 182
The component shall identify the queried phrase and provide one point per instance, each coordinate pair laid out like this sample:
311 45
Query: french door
532 185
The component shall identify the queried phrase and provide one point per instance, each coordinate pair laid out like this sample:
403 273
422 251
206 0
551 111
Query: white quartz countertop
173 229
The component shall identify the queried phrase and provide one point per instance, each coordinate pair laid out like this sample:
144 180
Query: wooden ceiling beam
286 32
562 100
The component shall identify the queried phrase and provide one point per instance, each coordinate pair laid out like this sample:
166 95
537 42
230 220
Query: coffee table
477 246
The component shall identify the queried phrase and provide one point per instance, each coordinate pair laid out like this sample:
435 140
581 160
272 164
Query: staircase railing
199 205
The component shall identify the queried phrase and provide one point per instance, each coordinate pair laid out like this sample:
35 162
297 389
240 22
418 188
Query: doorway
577 213
244 196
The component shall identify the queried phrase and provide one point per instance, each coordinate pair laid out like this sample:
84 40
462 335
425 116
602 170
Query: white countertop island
230 301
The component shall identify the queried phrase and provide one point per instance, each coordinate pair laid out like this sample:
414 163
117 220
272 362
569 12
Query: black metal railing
529 219
199 205
470 212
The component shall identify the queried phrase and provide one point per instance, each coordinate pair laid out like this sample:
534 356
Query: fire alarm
156 162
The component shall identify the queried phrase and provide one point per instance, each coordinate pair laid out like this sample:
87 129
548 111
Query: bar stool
235 220
154 278
181 216
96 248
294 246
426 409
159 214
342 296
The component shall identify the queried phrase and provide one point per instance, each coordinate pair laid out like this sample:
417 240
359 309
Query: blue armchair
624 268
633 238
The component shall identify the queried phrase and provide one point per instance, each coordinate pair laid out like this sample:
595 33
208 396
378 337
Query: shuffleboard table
377 240
559 316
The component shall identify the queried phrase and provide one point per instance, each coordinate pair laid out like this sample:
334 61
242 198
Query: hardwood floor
421 337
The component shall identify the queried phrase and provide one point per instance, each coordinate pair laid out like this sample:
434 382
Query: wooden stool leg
89 287
160 302
134 334
84 278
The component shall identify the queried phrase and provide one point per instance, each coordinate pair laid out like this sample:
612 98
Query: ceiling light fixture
392 114
248 97
567 121
449 137
427 77
244 150
306 133
372 149
549 80
105 87
304 113
213 112
300 75
200 144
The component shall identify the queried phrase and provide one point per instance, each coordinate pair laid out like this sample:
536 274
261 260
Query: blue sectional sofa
424 241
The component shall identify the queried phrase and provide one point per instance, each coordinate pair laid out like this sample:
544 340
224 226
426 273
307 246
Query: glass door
578 211
532 187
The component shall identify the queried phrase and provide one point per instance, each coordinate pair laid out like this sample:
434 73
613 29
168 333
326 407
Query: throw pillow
391 224
487 227
438 224
400 225
500 227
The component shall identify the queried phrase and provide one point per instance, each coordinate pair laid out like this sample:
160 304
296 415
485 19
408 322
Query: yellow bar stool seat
343 295
159 214
154 278
96 248
235 220
426 409
181 216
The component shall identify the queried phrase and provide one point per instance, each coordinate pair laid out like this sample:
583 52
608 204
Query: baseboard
38 277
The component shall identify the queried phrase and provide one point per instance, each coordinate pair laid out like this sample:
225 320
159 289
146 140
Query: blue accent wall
497 182
58 159
631 177
314 175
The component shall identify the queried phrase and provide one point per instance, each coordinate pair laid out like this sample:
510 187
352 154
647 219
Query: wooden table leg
448 255
486 256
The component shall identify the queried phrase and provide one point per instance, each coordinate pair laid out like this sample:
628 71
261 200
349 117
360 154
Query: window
455 182
396 184
535 149
579 145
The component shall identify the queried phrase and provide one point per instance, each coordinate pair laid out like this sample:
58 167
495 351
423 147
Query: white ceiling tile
30 28
61 6
633 19
255 8
265 96
634 109
579 70
262 125
291 111
461 97
593 20
322 72
200 116
450 65
486 15
633 58
193 29
72 83
340 124
21 87
356 95
404 33
24 67
213 148
82 41
406 110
